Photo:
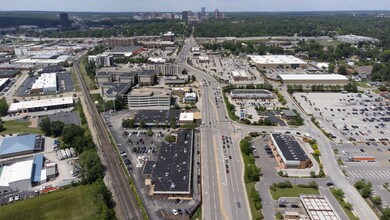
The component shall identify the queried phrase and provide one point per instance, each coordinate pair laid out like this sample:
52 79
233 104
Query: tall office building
64 19
202 12
216 14
184 15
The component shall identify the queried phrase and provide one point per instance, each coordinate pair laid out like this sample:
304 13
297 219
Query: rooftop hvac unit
173 186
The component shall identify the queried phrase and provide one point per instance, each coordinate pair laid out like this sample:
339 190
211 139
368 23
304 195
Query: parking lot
358 117
138 148
64 84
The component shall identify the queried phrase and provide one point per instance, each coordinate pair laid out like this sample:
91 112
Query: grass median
291 192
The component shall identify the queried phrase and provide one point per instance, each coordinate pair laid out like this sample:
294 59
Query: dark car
186 212
238 205
127 162
282 205
294 206
179 212
329 184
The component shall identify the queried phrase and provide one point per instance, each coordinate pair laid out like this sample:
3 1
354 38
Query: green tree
170 138
149 132
173 123
45 126
313 184
377 200
56 128
342 70
3 107
92 168
142 123
70 134
2 128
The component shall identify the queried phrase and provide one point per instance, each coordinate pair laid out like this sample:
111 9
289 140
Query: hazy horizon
180 5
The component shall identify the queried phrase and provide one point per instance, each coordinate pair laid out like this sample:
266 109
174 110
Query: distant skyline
180 5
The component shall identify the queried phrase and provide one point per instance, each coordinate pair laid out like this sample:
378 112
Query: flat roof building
116 42
125 51
308 80
156 117
46 83
277 61
20 145
239 75
41 105
251 94
166 69
16 176
111 91
147 77
186 117
4 82
172 174
290 152
8 73
318 207
149 98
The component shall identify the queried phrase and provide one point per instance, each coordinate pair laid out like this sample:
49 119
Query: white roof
156 59
186 116
16 172
2 81
14 107
190 94
239 73
203 58
312 77
276 59
46 80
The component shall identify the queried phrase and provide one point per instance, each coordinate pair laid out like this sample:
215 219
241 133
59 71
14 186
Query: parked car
174 211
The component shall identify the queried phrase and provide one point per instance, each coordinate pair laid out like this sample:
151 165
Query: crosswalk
369 174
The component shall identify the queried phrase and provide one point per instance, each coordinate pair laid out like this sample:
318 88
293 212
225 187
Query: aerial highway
126 206
223 194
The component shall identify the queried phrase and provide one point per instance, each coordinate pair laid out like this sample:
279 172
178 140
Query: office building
216 14
103 77
64 20
124 41
149 98
166 69
239 75
169 36
185 15
128 78
147 77
100 60
8 73
288 152
110 91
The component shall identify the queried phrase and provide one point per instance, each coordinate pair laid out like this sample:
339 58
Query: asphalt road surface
126 206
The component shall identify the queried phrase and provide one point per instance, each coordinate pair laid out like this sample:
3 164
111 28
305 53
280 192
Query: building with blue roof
20 145
36 175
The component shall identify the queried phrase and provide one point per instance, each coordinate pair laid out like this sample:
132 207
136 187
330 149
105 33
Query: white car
174 211
11 199
17 197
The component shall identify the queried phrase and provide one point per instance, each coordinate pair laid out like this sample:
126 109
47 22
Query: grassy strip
19 127
90 83
198 214
72 203
291 192
251 176
230 108
343 204
76 82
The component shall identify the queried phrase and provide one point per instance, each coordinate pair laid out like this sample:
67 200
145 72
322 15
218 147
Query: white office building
149 98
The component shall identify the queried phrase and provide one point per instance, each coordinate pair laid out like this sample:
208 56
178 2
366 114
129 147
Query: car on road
238 205
329 184
282 205
361 150
283 201
294 206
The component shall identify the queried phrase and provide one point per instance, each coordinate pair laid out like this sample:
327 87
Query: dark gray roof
118 88
125 49
161 116
290 147
146 72
103 74
53 69
128 75
289 113
8 73
172 173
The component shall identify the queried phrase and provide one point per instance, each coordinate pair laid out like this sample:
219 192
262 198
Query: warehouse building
149 98
46 83
276 62
20 145
172 175
251 94
307 80
124 51
40 105
288 152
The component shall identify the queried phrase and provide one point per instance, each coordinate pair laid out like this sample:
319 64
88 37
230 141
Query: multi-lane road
126 206
223 193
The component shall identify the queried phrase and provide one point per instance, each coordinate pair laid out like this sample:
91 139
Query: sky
194 5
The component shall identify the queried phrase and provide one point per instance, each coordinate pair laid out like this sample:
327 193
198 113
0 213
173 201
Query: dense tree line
3 107
288 25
